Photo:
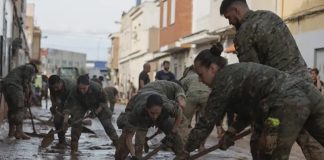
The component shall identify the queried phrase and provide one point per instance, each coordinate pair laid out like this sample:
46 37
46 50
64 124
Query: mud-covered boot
74 147
20 133
61 145
12 130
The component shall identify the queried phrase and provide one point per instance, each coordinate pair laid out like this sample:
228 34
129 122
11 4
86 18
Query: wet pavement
97 146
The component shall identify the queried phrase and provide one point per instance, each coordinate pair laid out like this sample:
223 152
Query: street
97 147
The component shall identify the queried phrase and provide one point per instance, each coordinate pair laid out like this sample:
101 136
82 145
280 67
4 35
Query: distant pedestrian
144 77
317 80
96 79
165 74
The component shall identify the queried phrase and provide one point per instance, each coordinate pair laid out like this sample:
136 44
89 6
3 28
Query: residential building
135 42
20 51
6 25
114 57
14 50
55 58
33 32
175 23
305 19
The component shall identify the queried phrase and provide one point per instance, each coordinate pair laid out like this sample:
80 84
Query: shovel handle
75 122
204 152
156 150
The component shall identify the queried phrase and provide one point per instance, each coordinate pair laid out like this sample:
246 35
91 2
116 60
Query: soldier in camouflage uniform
277 102
87 95
17 91
262 37
136 119
196 95
59 91
112 96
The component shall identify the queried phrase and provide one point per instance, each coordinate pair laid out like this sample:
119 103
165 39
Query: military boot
62 143
12 130
74 147
20 133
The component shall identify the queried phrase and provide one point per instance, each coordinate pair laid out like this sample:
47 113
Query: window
165 14
173 11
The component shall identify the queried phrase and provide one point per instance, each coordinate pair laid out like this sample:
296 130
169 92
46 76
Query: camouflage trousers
112 105
195 104
296 112
104 117
58 123
140 134
15 99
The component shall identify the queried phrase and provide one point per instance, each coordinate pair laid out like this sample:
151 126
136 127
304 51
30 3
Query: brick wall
183 21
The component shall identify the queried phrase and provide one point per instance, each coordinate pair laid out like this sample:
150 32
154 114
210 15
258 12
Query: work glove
226 141
220 131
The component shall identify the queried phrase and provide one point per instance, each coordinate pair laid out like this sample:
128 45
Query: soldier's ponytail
212 56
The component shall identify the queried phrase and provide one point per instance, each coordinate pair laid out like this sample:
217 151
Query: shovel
208 150
49 137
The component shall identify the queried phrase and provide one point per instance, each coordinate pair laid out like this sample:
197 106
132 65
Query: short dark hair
227 3
53 80
35 67
154 100
164 62
84 79
315 70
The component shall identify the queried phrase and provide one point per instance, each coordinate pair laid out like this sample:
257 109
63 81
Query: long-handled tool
49 137
166 142
31 118
146 147
27 104
208 150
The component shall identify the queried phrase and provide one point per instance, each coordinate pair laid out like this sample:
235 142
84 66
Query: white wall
307 43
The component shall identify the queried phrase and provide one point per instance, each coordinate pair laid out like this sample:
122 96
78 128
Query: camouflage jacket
94 98
243 83
58 98
21 77
170 89
192 86
264 38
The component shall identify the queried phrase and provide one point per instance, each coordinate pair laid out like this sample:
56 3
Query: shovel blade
48 139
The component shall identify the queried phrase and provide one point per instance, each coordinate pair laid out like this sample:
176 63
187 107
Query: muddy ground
97 146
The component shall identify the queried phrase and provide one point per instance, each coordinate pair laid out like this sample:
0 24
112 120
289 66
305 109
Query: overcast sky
79 25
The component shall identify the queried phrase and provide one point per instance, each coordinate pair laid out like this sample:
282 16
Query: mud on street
97 146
